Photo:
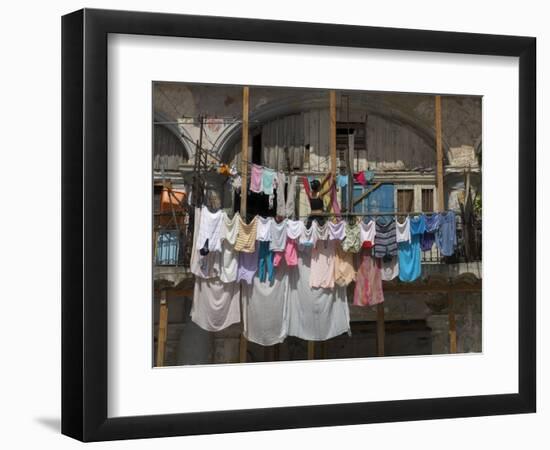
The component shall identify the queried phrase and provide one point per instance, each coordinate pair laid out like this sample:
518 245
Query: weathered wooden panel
394 145
169 152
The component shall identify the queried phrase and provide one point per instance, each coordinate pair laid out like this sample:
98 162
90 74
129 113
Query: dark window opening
405 200
427 199
257 149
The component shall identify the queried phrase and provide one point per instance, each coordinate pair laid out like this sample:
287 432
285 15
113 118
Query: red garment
368 282
359 177
307 188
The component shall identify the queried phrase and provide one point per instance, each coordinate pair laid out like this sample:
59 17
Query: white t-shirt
229 262
403 230
210 228
368 231
294 228
230 228
263 228
337 230
278 236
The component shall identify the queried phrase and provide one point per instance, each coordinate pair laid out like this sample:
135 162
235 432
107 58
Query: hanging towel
315 314
265 309
216 305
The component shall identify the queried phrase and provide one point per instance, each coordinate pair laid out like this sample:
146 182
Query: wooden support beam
277 352
243 348
380 329
452 324
244 152
310 350
349 169
243 344
439 155
163 329
332 101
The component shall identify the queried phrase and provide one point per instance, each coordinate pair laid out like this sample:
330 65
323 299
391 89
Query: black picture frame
84 224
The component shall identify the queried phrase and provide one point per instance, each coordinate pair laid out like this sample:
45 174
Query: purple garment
248 265
428 238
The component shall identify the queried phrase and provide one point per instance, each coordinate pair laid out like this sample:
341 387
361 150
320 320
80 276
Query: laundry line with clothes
294 279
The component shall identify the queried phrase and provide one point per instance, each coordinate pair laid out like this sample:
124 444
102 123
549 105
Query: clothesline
294 279
373 213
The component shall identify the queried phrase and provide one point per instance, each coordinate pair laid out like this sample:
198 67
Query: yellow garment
246 238
224 170
344 270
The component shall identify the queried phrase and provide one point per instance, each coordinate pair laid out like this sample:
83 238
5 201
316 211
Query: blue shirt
445 236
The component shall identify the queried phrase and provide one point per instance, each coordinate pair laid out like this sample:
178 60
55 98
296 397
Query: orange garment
344 271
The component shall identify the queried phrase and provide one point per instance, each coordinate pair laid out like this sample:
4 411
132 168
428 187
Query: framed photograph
273 225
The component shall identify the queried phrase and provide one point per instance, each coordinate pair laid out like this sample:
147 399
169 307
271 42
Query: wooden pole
163 328
332 101
380 329
244 153
310 350
243 345
439 154
452 323
349 165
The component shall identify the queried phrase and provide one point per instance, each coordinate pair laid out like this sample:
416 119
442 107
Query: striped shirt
385 240
246 237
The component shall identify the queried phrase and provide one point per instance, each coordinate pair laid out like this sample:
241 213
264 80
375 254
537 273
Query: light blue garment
418 224
445 236
428 238
409 252
409 259
342 181
268 176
